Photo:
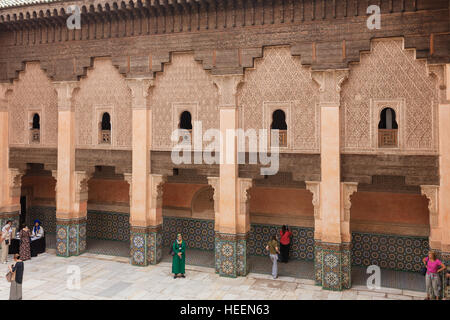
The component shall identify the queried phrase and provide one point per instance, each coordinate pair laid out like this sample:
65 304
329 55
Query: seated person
38 231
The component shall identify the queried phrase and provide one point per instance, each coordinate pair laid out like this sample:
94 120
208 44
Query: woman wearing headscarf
179 257
25 248
38 231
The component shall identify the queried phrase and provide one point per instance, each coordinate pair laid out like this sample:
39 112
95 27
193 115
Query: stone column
243 226
228 253
332 253
146 189
444 168
10 179
71 190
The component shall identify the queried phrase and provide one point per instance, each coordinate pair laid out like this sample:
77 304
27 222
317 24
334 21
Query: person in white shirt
38 231
6 240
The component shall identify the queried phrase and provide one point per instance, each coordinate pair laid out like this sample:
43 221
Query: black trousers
284 252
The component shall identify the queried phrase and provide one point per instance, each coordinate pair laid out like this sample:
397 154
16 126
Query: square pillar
231 255
146 188
332 265
332 236
146 245
232 219
10 178
70 237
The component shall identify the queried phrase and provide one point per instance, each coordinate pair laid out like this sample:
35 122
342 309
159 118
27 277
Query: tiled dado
302 244
47 216
403 253
70 237
145 245
104 225
332 265
198 233
231 254
13 216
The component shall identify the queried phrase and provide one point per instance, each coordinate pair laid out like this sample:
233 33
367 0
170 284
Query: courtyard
104 277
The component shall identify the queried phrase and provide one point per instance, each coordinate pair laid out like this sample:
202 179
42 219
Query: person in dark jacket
285 243
15 292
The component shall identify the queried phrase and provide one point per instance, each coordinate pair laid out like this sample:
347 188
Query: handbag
11 276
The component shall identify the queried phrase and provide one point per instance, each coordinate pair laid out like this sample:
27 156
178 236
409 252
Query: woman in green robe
179 257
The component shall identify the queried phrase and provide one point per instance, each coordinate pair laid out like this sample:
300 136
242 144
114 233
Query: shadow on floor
391 279
105 247
194 257
260 264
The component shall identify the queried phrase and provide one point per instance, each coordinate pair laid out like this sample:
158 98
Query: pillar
444 171
71 189
231 236
10 178
332 238
146 189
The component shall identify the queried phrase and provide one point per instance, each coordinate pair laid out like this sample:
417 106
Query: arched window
105 129
36 121
279 123
106 121
387 119
185 120
186 125
35 128
387 129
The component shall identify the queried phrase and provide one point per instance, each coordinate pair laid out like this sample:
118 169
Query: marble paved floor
262 265
108 277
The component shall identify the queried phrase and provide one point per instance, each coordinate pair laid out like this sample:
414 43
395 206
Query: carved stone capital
214 183
139 91
244 185
65 91
438 71
348 188
157 182
81 185
5 89
128 178
329 82
432 193
15 181
55 176
314 188
227 86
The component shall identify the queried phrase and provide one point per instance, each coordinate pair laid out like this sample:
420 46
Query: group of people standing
17 268
279 253
25 236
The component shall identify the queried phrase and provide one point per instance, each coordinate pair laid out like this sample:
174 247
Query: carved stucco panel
280 77
183 82
103 86
390 72
33 91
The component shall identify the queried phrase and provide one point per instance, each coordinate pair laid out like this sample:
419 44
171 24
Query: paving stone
103 278
399 297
